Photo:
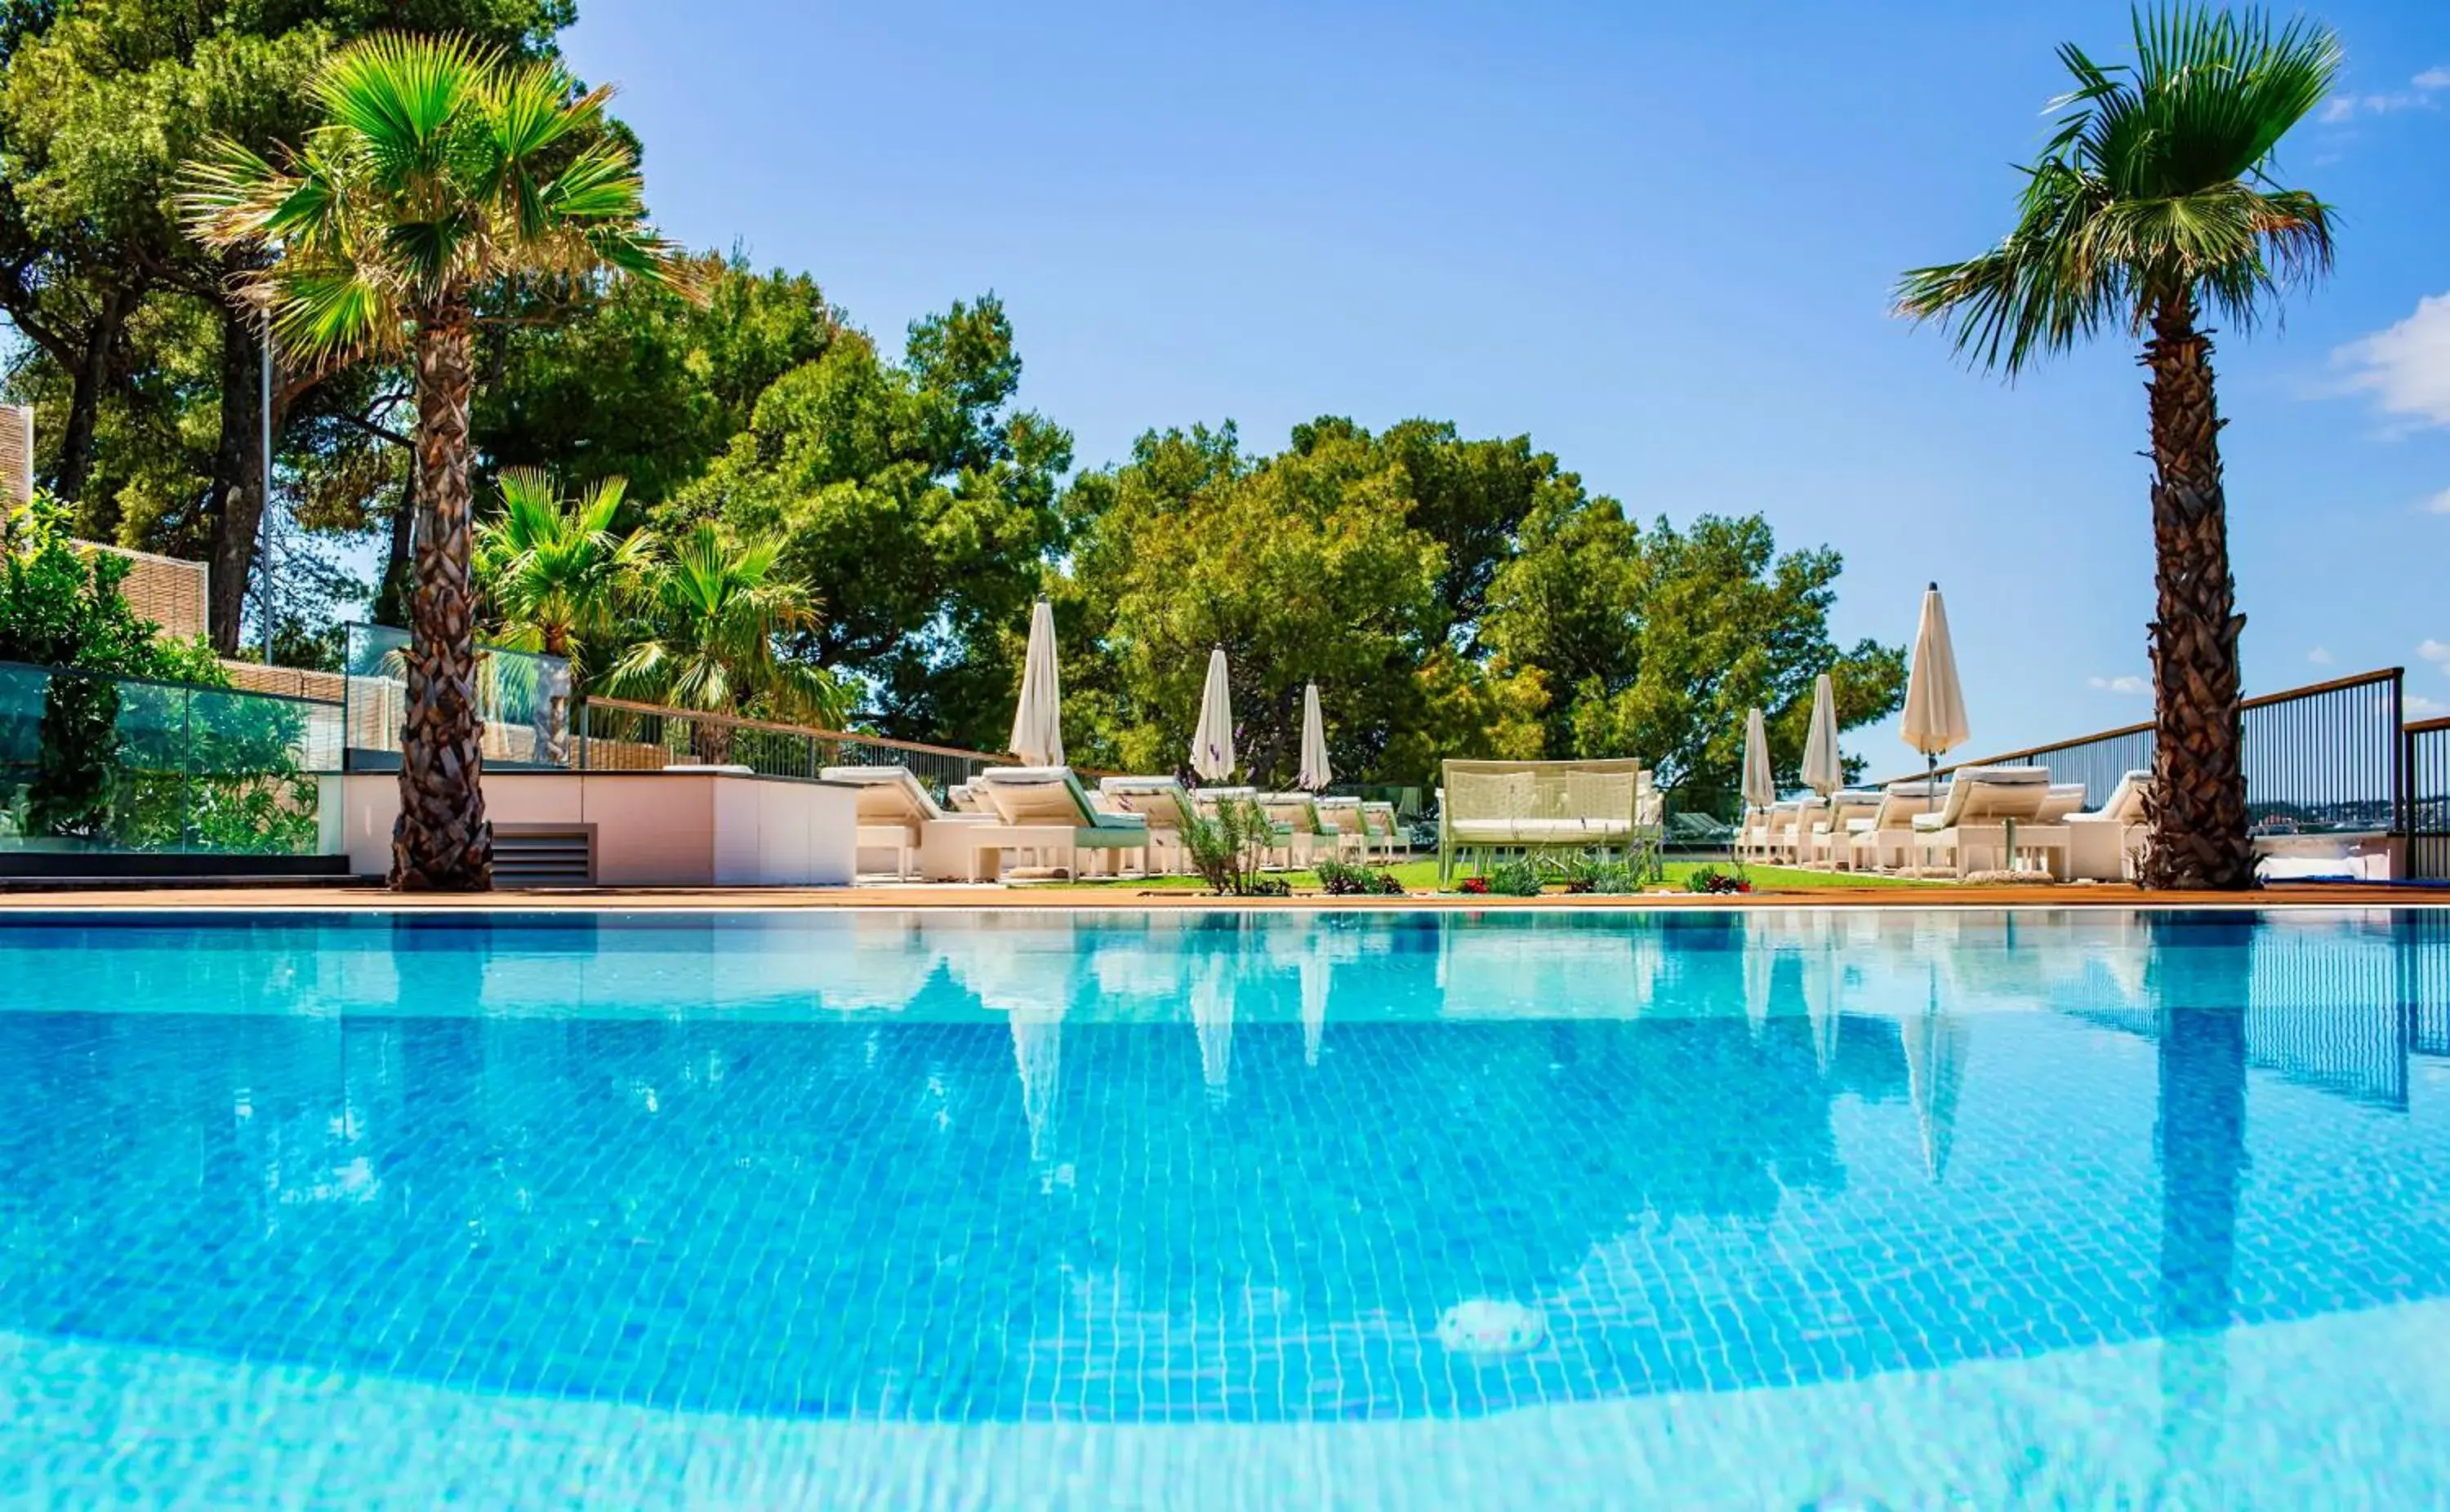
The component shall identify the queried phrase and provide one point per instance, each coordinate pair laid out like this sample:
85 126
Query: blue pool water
1177 1210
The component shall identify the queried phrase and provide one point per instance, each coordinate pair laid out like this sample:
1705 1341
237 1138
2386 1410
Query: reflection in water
811 1168
2202 989
1936 1045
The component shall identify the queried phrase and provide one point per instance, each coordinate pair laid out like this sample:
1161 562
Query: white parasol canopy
1934 720
1824 771
1037 724
1212 743
1760 789
1316 772
1211 1018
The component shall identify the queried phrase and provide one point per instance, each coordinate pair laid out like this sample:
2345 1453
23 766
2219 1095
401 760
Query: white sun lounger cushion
1051 795
888 795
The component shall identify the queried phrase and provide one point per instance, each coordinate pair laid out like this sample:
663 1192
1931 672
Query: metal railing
616 735
2427 768
2321 759
90 762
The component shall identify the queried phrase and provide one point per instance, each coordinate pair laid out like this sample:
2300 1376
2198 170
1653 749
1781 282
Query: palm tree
441 169
554 574
2153 203
713 613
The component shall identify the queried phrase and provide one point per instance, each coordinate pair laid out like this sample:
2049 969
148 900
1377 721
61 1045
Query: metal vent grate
544 857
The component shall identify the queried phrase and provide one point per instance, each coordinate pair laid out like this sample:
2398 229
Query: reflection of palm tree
2199 973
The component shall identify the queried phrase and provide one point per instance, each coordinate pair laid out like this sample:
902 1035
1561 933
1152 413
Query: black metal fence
615 735
2318 759
2427 767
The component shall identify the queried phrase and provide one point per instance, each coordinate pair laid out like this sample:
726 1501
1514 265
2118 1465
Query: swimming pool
1187 1209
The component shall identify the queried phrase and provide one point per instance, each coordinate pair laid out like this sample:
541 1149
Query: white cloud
2406 367
2435 652
2416 705
2138 684
2320 656
2439 503
2418 95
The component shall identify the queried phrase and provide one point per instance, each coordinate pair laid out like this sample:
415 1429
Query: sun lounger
1303 819
2066 798
1162 803
1885 840
1785 822
1348 820
1380 824
1280 842
1752 836
1990 814
1044 810
1826 832
894 812
2103 845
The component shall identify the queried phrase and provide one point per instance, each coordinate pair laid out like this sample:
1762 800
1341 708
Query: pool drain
1485 1326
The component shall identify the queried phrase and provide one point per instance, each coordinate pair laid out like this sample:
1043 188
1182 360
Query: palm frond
440 168
2155 188
404 97
326 315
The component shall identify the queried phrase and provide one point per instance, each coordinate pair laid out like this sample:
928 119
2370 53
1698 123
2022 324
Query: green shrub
1226 850
133 763
1517 879
1712 879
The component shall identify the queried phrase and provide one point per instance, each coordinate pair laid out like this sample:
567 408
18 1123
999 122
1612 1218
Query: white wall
653 829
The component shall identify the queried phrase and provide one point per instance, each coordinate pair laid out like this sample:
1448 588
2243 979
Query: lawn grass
1422 876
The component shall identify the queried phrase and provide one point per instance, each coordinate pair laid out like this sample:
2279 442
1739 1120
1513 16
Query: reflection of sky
1206 1167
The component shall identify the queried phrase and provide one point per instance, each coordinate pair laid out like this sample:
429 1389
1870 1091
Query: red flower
1473 885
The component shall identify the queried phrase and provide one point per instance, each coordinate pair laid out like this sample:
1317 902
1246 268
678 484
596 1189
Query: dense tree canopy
1450 594
915 501
148 379
1451 597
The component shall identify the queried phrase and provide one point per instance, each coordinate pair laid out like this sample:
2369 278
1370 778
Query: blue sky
1660 243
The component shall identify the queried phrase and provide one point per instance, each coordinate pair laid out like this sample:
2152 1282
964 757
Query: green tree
441 169
103 103
2153 204
715 614
556 576
644 384
1655 643
915 501
1305 569
61 609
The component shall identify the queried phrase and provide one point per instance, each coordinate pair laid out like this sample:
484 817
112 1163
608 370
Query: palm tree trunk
2196 807
443 841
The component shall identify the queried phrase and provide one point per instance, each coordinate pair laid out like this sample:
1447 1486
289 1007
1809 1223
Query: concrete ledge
653 829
